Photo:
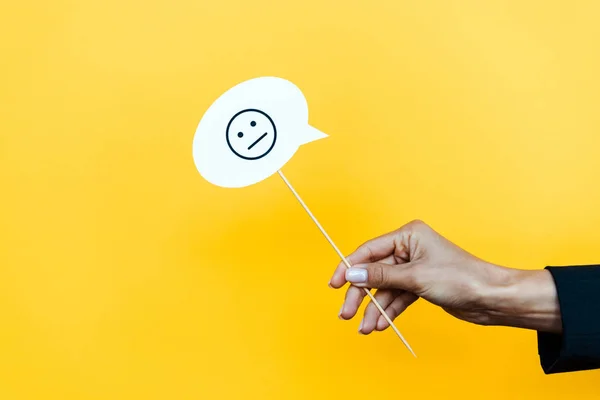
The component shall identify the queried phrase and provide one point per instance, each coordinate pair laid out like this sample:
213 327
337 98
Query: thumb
382 276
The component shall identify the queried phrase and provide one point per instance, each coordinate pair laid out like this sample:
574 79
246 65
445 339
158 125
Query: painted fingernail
360 327
356 275
340 313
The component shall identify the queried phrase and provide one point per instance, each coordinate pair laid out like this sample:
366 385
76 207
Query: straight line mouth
257 140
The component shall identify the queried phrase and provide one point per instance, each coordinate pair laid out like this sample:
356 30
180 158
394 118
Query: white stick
367 291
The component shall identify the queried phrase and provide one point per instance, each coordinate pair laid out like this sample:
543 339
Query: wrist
525 299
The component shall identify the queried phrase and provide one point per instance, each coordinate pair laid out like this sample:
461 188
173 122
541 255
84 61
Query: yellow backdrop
124 275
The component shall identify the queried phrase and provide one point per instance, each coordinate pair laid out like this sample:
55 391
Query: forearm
528 299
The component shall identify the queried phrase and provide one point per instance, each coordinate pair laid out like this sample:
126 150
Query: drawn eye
240 134
253 123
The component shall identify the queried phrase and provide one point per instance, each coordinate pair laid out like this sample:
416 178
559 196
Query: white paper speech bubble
251 131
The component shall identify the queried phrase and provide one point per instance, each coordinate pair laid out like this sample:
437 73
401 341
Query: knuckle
369 252
377 277
417 225
482 319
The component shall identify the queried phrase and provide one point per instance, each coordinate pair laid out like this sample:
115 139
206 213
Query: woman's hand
415 261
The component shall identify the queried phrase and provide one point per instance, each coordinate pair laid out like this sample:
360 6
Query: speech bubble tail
310 134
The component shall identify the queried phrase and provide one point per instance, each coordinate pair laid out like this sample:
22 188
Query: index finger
369 252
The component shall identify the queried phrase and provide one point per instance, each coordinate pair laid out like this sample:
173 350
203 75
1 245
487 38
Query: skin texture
417 262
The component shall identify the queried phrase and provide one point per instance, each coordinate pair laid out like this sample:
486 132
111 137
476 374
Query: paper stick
367 291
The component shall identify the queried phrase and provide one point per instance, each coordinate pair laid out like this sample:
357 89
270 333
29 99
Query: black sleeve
578 347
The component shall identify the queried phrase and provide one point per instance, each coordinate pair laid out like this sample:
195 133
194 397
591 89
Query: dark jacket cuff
578 347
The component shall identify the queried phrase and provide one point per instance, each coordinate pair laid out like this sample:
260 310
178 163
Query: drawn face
251 134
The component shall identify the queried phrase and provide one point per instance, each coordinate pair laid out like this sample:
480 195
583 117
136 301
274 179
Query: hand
415 261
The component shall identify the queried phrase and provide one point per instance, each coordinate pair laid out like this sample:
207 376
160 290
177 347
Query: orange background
124 275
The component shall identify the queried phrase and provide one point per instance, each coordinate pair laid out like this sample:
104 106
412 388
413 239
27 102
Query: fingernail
340 313
360 327
356 275
329 284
